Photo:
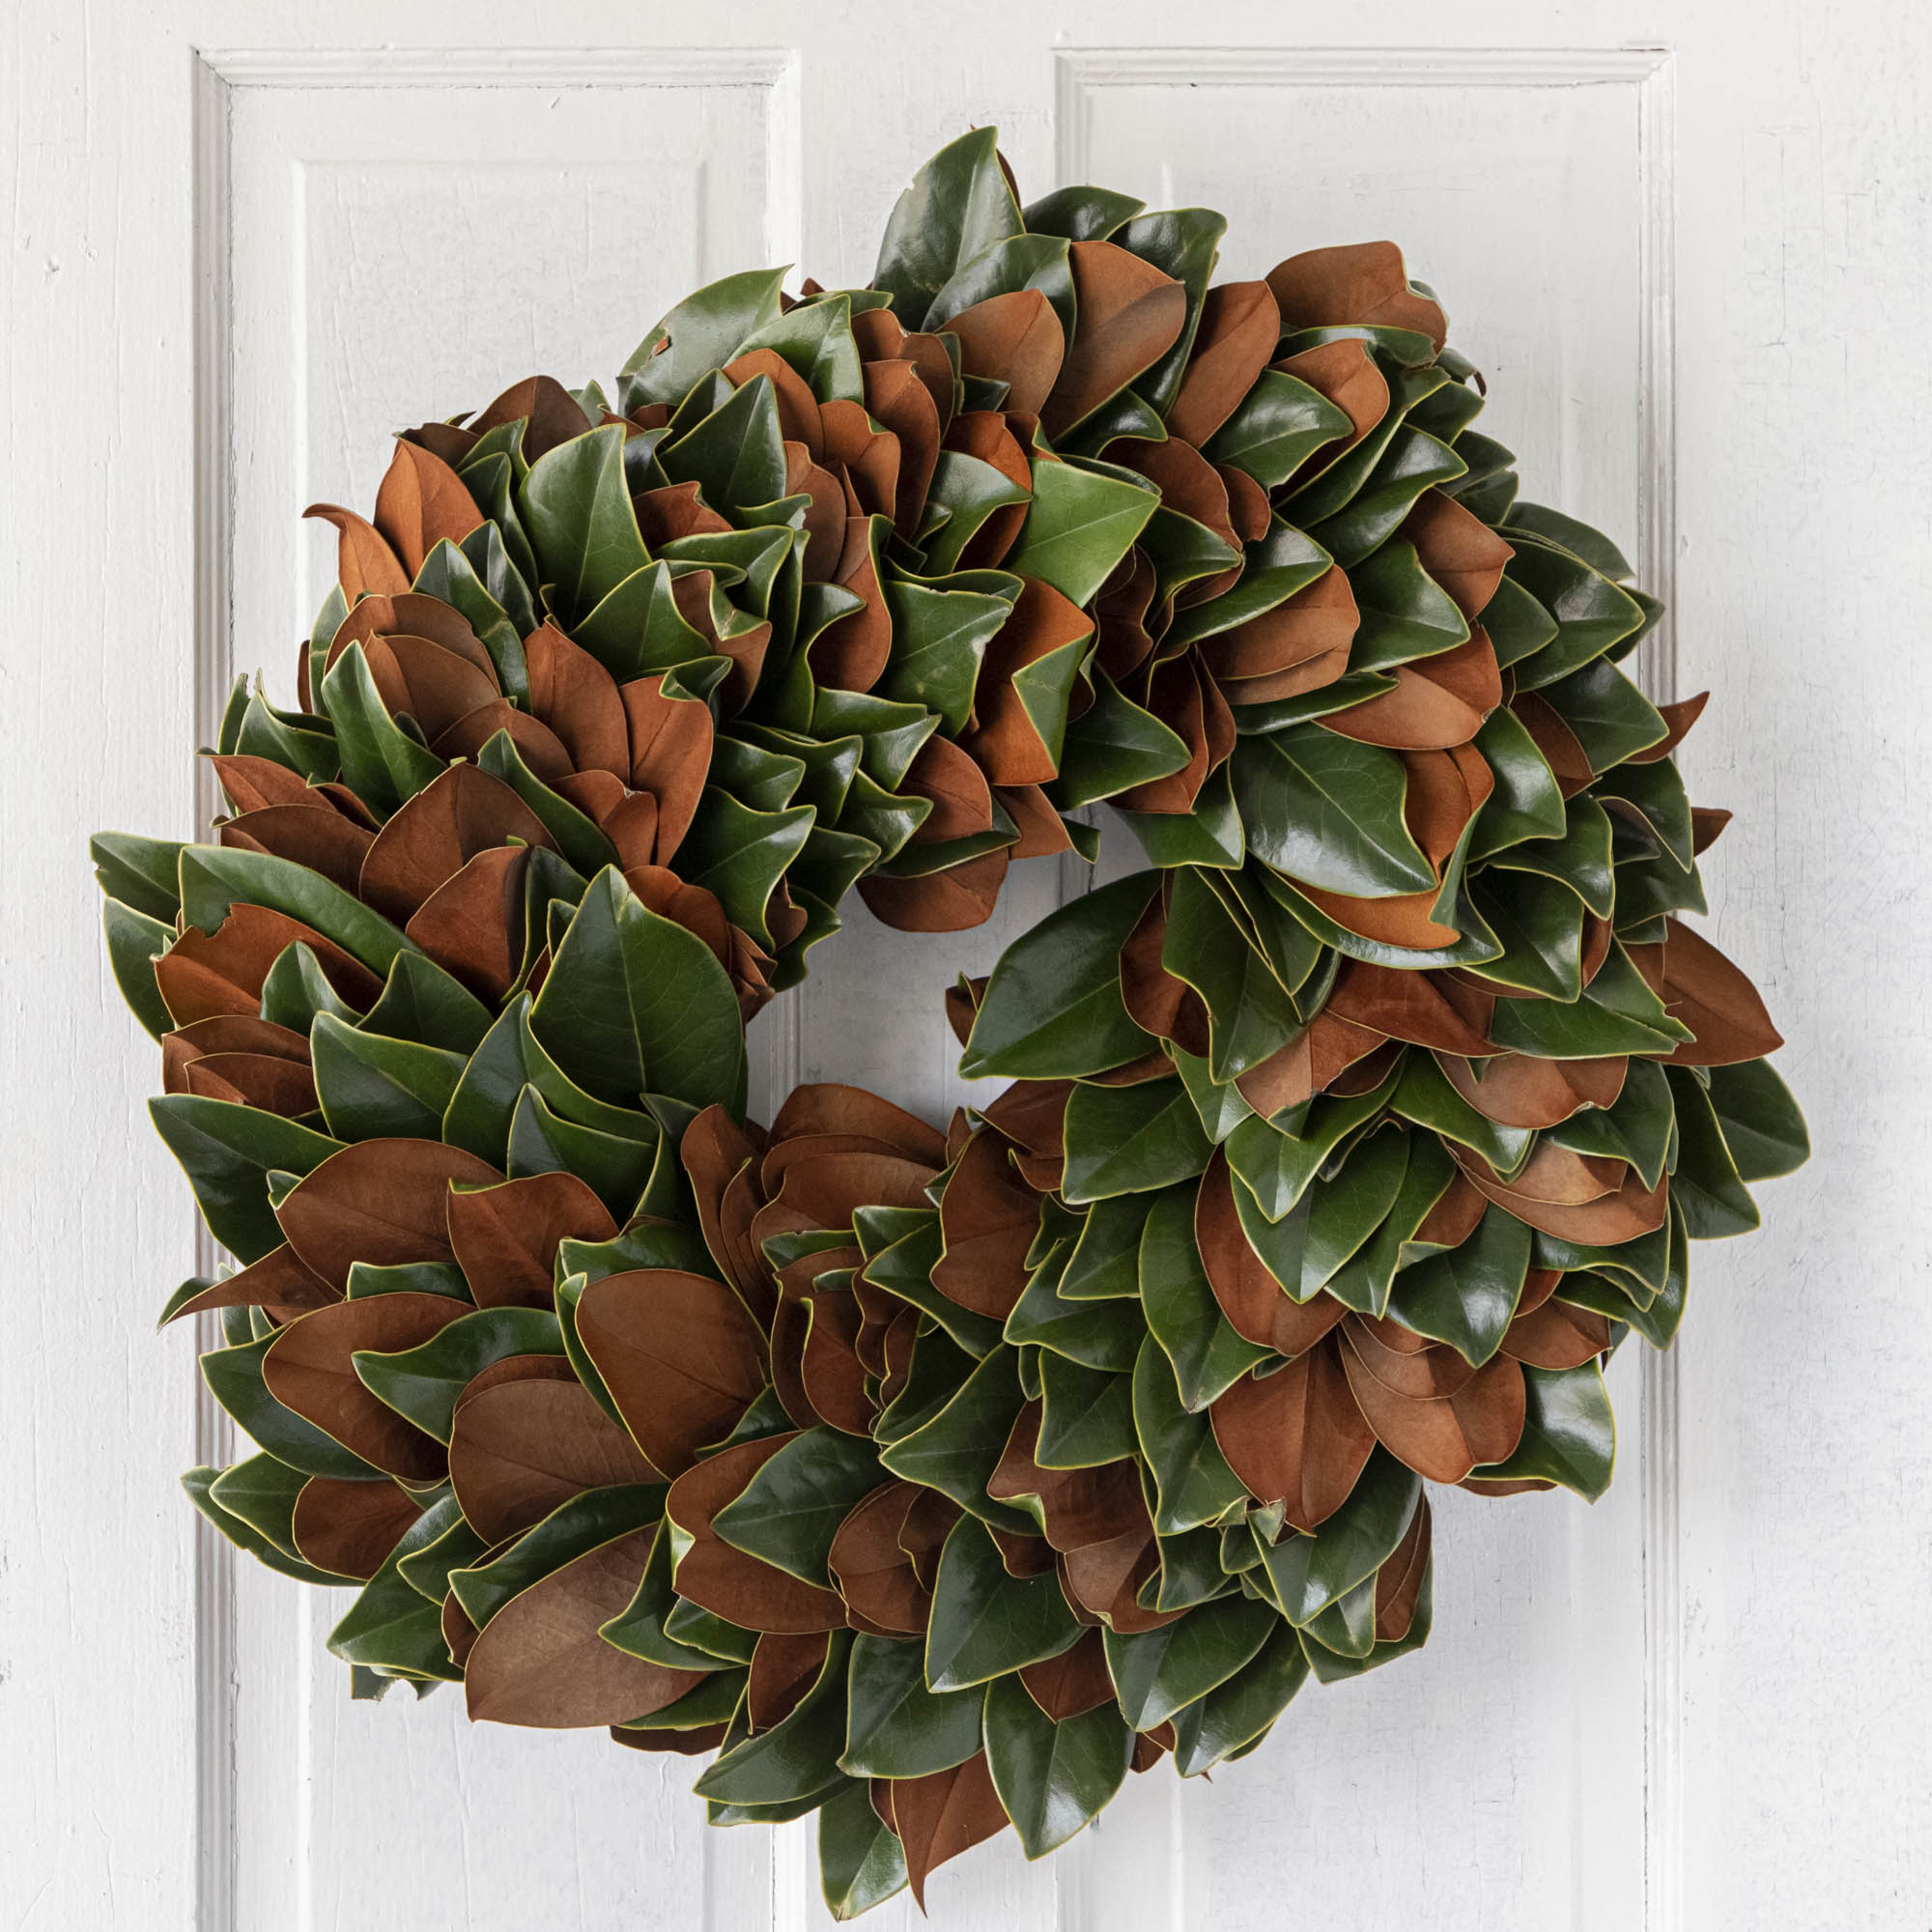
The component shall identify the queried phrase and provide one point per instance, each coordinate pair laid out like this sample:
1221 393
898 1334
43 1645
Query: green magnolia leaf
381 762
1328 810
1762 1126
372 1088
1406 615
1159 1671
425 1384
1276 428
1182 243
1087 1415
1306 1573
1053 1778
896 1726
736 455
1192 1480
1124 1140
1239 1710
576 505
420 1002
791 1509
797 1757
959 1447
959 206
703 332
1053 1008
1101 1334
1250 1014
214 878
1705 1185
245 1536
1082 522
144 874
1208 1355
134 942
1111 746
633 1002
984 1622
861 1862
228 1153
1467 1297
939 641
740 855
1569 1434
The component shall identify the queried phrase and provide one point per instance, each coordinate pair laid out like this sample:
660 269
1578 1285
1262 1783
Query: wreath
935 1479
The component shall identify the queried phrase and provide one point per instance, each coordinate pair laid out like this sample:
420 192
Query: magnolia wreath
930 1479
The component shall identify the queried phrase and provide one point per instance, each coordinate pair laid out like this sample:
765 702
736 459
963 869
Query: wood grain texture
1738 1749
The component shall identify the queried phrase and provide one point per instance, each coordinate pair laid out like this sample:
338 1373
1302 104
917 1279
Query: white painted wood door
1687 241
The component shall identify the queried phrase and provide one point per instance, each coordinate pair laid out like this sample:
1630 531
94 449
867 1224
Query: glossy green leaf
228 1152
1213 1727
425 1384
1125 1139
1569 1434
1762 1126
791 1509
576 506
896 1726
1192 1480
797 1756
371 1087
1082 522
1087 1415
1160 1671
986 1623
959 1447
1306 1573
1053 1778
1208 1355
861 1863
1053 1008
701 334
1467 1296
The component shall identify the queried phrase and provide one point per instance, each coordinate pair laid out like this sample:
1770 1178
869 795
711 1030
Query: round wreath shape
934 1478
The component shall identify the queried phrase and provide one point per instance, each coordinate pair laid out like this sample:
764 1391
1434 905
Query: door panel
251 237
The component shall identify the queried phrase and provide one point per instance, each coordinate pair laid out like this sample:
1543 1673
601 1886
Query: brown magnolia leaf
670 755
427 620
875 1574
675 510
1349 377
251 1080
696 1743
1619 1214
1562 751
381 1202
1521 1090
797 407
1131 315
1460 551
278 1284
1361 282
1077 1507
1405 1363
1679 718
1310 633
1308 1065
988 1219
206 974
537 744
1194 708
1703 990
1105 1578
1400 1579
783 1667
1015 339
350 1527
946 776
866 460
310 833
1233 342
506 1237
1437 702
724 1580
250 782
308 1369
551 414
898 399
421 503
939 1816
1005 743
929 1520
717 1152
680 1355
1454 1217
1296 1437
949 902
363 560
520 1449
1557 1335
437 833
1032 1114
1258 1308
472 924
577 697
1403 1005
1444 1437
539 1661
227 1034
1074 1682
1446 788
833 1376
1407 918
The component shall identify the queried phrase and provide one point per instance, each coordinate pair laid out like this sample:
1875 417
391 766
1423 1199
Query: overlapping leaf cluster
934 1480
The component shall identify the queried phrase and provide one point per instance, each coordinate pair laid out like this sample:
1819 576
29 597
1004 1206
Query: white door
1687 241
